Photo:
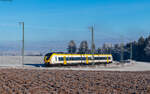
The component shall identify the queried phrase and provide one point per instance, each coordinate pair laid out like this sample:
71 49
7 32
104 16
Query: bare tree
83 47
106 48
72 47
147 49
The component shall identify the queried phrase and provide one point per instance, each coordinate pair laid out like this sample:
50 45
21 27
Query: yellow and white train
65 59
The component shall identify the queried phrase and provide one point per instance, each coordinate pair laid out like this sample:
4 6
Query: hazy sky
64 20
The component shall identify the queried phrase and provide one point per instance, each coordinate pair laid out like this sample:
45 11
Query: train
70 59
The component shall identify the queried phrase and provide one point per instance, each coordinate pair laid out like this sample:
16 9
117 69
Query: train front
47 59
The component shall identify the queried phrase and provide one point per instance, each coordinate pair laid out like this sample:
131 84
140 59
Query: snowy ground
36 62
17 60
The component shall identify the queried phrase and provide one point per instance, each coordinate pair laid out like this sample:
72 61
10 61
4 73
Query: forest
137 50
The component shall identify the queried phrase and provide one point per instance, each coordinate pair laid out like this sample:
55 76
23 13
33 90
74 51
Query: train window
100 58
89 58
79 58
48 55
76 58
104 58
68 58
83 58
61 59
96 58
72 58
56 58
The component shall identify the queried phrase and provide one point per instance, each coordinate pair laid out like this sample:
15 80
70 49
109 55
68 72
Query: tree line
140 49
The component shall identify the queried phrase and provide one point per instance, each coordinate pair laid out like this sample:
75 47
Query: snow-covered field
17 60
36 62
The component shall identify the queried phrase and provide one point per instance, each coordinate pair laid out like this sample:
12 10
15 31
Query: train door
107 60
65 62
84 59
87 61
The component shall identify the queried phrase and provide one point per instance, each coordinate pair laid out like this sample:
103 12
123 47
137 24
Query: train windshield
48 55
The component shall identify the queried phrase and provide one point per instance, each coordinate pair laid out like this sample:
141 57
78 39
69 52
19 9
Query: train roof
77 54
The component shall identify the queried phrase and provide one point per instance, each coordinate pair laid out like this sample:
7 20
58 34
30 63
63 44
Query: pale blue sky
64 20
